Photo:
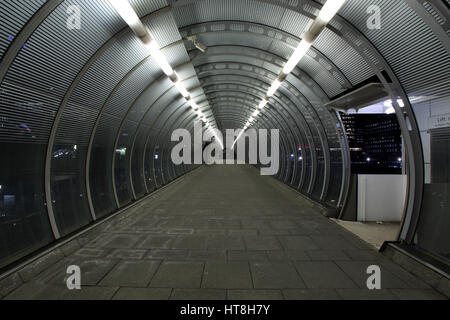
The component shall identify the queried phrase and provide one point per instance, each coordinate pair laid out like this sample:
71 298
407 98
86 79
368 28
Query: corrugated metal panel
148 98
76 125
106 130
294 23
14 15
143 7
176 55
53 57
55 54
239 39
329 84
25 114
343 56
115 62
406 42
163 28
436 15
131 89
245 10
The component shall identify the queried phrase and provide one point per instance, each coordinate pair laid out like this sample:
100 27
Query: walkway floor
223 232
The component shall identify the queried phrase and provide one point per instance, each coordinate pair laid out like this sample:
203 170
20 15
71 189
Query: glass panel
157 166
100 170
68 168
24 224
68 187
434 224
122 163
318 186
137 169
165 165
148 166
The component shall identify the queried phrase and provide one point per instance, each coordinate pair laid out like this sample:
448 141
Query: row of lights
126 11
328 11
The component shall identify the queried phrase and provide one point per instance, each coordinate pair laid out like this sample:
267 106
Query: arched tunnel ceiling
255 37
263 34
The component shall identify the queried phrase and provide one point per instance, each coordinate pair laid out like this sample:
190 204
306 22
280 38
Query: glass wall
100 168
137 163
24 224
434 223
122 163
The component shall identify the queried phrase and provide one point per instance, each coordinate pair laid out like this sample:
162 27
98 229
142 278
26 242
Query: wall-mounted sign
440 121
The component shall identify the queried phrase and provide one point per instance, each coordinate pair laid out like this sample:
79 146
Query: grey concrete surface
223 232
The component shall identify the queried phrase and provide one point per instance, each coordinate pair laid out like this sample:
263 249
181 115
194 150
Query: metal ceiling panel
14 15
331 86
115 62
213 10
344 57
405 41
131 88
144 7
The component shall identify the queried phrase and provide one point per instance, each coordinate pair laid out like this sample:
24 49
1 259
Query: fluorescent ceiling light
276 84
255 114
193 105
160 58
179 85
127 12
262 104
251 119
329 9
298 54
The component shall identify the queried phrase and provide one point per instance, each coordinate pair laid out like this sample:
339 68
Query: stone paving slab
223 232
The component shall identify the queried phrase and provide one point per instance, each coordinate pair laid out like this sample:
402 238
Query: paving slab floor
223 232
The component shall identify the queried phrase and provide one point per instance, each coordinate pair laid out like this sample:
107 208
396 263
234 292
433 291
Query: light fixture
127 12
276 84
298 54
156 53
193 105
329 9
262 104
255 114
251 119
180 87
